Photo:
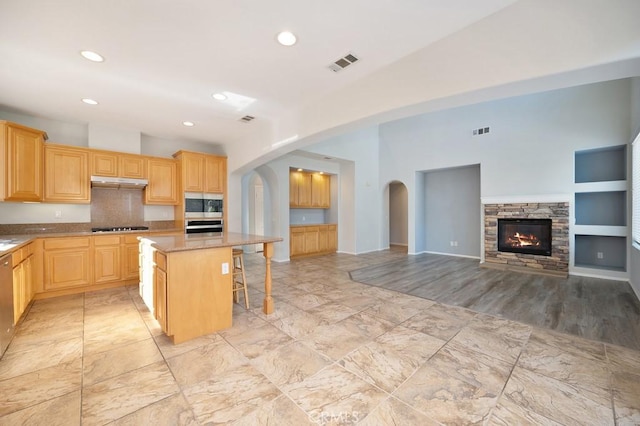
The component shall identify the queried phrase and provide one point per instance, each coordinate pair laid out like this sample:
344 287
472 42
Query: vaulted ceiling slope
165 59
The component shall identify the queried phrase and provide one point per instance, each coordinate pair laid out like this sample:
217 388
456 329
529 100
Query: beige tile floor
334 352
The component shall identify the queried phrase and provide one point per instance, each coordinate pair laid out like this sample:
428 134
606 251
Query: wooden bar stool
239 277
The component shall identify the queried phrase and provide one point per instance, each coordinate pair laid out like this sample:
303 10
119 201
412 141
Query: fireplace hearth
526 236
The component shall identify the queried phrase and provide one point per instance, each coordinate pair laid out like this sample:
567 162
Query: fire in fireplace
527 236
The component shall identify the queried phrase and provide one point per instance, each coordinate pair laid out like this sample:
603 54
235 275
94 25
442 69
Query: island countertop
206 240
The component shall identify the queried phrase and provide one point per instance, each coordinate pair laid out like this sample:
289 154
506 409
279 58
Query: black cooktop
120 228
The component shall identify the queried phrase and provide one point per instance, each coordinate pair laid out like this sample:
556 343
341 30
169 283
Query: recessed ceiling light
299 170
92 56
219 97
188 123
287 38
89 101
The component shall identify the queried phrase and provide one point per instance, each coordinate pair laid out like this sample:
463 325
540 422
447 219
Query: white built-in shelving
600 209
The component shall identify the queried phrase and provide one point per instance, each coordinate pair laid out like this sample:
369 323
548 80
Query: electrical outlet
600 255
225 268
58 213
451 243
455 244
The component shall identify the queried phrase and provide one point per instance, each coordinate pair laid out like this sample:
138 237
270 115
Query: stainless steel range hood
116 182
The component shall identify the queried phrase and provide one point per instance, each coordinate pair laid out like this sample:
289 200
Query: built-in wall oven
199 205
200 226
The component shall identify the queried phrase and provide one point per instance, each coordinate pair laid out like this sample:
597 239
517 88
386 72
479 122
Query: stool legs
239 278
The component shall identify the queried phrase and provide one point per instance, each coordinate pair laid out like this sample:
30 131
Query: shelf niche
601 164
601 252
601 208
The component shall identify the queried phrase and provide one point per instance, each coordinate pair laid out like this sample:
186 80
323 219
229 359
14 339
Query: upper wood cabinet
115 164
215 174
202 172
163 182
309 190
21 159
66 174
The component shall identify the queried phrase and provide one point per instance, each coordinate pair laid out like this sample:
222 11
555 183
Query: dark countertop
207 240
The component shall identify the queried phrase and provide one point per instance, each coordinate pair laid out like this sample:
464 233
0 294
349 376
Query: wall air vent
343 62
247 118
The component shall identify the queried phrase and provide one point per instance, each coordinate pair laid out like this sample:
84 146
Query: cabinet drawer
106 240
131 239
161 261
65 243
18 256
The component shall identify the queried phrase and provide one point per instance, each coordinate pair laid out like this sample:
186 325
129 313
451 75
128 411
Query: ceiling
165 59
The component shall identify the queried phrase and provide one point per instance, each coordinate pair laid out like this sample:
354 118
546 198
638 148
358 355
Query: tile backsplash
116 207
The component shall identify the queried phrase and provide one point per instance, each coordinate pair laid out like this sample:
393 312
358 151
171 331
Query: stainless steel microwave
199 205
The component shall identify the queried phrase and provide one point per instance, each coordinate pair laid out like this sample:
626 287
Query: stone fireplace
526 242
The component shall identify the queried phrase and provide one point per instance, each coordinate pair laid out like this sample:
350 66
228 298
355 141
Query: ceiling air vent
247 118
343 62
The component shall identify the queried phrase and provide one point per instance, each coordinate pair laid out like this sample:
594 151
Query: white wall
529 150
634 272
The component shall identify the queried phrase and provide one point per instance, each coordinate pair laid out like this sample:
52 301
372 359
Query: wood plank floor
597 309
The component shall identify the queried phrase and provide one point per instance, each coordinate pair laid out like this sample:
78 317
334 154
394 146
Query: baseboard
451 254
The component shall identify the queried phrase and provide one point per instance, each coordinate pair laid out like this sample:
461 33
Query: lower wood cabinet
309 240
67 262
106 256
22 280
191 292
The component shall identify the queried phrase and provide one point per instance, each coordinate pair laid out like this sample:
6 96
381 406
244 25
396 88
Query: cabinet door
28 283
299 189
215 172
160 299
311 240
296 242
332 238
66 268
66 175
193 172
107 264
18 292
323 239
131 262
23 164
132 166
293 189
104 164
163 182
320 191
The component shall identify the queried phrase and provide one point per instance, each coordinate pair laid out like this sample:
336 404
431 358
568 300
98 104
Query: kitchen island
186 280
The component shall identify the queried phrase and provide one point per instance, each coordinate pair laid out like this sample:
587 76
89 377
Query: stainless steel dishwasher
6 302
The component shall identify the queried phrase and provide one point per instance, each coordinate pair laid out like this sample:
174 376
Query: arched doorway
398 216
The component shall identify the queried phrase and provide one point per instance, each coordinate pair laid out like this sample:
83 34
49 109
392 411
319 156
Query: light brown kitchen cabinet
201 304
104 163
106 259
22 280
130 257
117 164
309 190
309 240
163 182
160 290
66 174
320 191
202 172
215 173
21 158
67 262
132 166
